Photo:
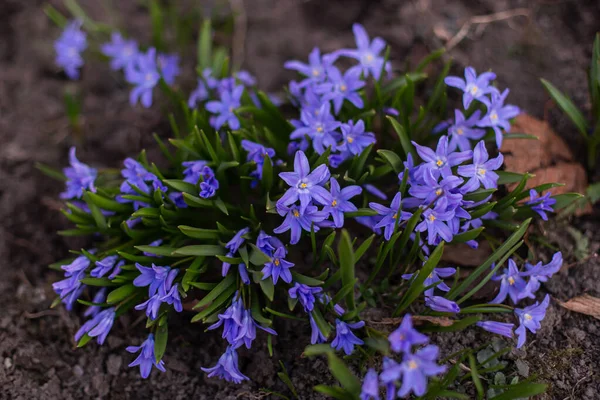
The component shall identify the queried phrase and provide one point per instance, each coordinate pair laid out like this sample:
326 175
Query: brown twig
45 313
483 20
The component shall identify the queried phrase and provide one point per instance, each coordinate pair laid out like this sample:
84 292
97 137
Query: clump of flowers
221 231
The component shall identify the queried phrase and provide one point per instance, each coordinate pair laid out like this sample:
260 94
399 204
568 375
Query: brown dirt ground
38 358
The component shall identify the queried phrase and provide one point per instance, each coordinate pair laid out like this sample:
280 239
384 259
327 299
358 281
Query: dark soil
38 356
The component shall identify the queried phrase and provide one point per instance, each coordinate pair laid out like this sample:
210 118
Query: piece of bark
586 304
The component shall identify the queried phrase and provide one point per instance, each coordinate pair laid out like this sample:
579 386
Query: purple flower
237 240
375 192
434 222
315 333
405 336
120 50
142 72
335 160
268 244
500 328
247 330
541 204
464 130
367 53
434 278
438 303
152 306
530 318
305 295
99 298
69 46
475 87
355 139
338 88
98 326
193 170
199 94
278 267
295 221
341 201
80 177
481 171
431 190
415 369
229 102
107 264
370 386
305 185
511 284
540 273
390 215
257 152
70 288
319 126
227 368
441 161
158 279
172 298
146 359
344 337
315 70
246 78
168 65
498 115
209 187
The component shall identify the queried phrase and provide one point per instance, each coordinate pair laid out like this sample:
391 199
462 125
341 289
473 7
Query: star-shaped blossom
69 46
146 359
120 50
464 130
370 386
511 284
295 221
432 190
481 172
143 73
227 368
305 295
344 337
442 160
435 222
315 70
475 87
168 65
541 204
499 115
434 277
98 327
225 108
392 215
354 137
198 95
405 336
530 318
540 273
80 177
367 52
340 202
338 88
158 279
305 185
278 267
319 126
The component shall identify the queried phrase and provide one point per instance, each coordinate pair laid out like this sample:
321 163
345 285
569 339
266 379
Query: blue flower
375 191
120 50
338 88
278 267
158 279
435 222
143 73
268 244
246 78
225 107
305 295
541 204
70 288
367 53
481 171
98 326
319 126
247 330
69 46
315 333
499 328
415 369
498 115
199 94
209 187
530 318
193 170
315 70
370 386
257 154
227 367
146 359
432 190
233 246
463 131
99 298
355 139
511 284
434 278
305 185
344 337
168 65
107 264
80 177
172 298
296 221
441 161
340 202
475 87
390 215
405 336
438 303
540 273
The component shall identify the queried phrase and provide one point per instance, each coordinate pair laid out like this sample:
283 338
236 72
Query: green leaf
404 140
164 251
257 257
194 201
181 186
363 247
156 16
521 390
227 282
267 178
568 107
56 17
205 45
391 158
468 235
334 392
267 287
566 199
341 372
100 282
506 177
218 303
199 233
146 212
51 172
322 324
120 293
475 376
200 250
160 340
306 280
347 263
361 212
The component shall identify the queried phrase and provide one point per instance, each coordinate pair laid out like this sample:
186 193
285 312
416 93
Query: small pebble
8 363
77 370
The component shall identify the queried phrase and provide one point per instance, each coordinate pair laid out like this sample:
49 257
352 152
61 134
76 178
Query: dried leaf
585 304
